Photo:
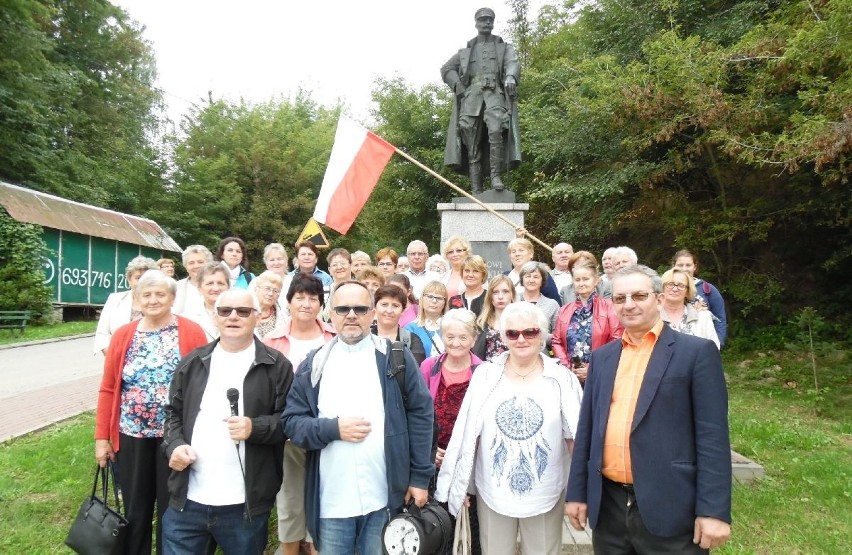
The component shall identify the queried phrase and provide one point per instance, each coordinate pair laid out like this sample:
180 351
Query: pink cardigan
605 326
432 381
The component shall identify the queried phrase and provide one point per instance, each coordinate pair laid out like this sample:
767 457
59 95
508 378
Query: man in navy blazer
651 468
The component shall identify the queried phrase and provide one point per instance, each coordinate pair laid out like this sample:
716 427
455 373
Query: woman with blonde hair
678 312
433 305
499 295
474 275
455 251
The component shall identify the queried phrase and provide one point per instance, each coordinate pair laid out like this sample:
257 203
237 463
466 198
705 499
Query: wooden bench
14 320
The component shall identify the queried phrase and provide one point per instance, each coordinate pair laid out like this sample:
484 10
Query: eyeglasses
383 264
344 310
529 333
672 285
435 298
269 290
340 264
242 311
637 297
456 251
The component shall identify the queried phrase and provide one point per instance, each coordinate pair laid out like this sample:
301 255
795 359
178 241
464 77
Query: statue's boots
496 165
476 178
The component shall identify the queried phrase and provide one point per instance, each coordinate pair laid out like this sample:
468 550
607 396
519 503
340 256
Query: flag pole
458 189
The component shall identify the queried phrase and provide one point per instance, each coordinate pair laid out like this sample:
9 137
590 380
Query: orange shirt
628 381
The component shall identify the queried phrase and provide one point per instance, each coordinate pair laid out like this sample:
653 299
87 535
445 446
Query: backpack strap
398 369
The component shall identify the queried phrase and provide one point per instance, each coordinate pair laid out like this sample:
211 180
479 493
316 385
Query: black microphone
234 396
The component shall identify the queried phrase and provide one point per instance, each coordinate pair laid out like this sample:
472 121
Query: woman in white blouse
122 307
512 439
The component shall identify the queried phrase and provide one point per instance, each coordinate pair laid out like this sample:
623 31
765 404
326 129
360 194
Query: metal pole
458 189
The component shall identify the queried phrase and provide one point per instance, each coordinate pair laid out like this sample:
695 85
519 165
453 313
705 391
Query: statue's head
484 20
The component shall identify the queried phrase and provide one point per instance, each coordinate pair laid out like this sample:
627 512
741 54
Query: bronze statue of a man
483 133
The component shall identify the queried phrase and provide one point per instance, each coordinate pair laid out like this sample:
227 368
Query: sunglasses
359 310
529 333
242 311
636 297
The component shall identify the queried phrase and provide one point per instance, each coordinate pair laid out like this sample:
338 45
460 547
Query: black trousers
144 477
621 531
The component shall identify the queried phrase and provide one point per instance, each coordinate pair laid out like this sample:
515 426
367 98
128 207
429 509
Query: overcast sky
263 49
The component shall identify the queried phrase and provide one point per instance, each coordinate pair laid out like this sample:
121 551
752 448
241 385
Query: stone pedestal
488 234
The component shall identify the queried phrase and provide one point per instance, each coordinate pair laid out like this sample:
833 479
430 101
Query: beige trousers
540 534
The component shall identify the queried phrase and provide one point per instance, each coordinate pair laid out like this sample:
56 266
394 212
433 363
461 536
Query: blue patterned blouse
149 365
578 336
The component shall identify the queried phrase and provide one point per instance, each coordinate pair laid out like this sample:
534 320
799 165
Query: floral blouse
493 344
149 365
578 336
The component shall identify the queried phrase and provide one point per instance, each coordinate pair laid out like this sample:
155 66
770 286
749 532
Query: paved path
44 383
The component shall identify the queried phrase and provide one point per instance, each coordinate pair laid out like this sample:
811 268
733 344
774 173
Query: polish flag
357 160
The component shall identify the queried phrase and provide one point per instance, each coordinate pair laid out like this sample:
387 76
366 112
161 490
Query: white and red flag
357 160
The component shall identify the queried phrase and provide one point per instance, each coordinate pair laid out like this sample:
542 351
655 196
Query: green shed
90 246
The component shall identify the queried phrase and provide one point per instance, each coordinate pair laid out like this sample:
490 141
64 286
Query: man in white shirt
561 257
223 436
368 443
418 253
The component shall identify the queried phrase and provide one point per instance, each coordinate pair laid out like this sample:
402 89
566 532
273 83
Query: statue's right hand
460 90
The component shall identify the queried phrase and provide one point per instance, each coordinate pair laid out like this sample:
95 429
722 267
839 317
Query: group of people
225 394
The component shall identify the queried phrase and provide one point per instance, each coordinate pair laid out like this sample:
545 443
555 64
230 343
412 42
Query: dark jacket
679 444
408 429
264 392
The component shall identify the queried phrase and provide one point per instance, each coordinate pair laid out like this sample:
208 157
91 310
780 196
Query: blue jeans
193 530
342 535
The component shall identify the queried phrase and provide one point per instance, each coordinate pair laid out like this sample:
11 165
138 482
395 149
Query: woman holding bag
138 369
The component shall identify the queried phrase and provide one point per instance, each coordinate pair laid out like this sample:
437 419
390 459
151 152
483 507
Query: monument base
488 234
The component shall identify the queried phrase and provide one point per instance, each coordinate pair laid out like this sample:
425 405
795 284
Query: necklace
523 376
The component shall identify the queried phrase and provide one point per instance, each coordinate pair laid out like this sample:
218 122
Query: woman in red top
140 362
447 376
586 323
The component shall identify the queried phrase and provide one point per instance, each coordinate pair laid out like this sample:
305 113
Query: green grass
803 440
47 331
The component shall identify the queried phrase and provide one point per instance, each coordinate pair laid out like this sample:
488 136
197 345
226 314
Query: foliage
77 105
22 286
255 169
402 207
723 127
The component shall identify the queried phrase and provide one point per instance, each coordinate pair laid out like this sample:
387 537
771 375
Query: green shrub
22 251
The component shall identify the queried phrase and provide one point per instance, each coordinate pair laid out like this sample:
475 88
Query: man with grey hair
418 275
368 442
561 257
223 436
651 468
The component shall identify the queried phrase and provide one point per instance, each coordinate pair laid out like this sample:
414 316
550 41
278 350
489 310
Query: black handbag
99 529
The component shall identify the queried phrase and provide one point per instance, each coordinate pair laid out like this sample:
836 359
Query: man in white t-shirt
223 436
368 443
